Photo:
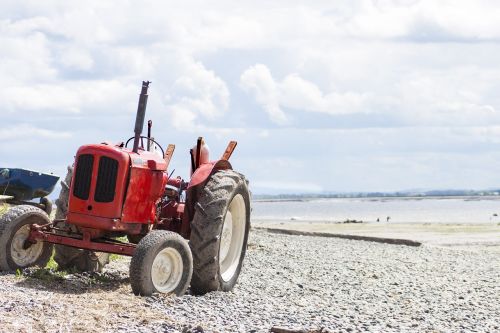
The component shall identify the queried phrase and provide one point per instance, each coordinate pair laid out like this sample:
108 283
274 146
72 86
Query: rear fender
200 177
205 170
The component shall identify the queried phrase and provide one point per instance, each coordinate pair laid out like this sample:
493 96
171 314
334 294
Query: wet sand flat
454 235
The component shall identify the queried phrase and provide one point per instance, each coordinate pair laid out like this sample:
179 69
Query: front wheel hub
24 252
166 271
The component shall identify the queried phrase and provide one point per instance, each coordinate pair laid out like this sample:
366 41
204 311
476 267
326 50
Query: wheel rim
166 271
233 234
24 257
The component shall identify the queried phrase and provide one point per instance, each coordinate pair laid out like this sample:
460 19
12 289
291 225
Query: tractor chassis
48 233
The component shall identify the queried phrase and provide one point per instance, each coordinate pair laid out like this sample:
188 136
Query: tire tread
206 228
8 220
140 273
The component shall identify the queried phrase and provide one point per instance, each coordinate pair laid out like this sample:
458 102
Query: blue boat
25 185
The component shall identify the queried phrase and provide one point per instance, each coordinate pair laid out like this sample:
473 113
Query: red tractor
117 191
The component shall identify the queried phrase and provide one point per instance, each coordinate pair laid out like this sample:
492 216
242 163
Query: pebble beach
307 283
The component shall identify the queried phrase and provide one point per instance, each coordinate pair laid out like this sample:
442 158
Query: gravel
296 282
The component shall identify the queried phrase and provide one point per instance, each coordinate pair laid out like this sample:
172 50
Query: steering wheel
145 137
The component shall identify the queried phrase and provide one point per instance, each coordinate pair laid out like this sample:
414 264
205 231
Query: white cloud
182 117
446 98
297 93
259 81
29 132
59 63
201 91
457 96
25 58
77 58
423 74
70 98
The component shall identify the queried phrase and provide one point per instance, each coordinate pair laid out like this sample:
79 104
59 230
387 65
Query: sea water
394 210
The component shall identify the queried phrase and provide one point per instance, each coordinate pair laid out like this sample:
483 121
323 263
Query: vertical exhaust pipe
141 114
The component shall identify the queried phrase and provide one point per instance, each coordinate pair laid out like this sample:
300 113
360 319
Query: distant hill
412 193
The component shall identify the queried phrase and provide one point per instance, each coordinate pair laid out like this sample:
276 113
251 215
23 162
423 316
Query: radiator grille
83 176
106 180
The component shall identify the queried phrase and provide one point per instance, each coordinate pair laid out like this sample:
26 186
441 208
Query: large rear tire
162 262
219 232
69 257
15 252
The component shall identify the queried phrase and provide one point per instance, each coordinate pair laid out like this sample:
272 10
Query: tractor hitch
45 233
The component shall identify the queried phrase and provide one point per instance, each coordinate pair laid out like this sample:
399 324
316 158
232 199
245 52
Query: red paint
173 210
175 182
112 209
145 188
205 170
170 216
147 182
138 195
102 223
140 184
37 234
139 189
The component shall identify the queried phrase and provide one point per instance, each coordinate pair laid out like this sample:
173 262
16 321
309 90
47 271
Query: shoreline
382 198
485 236
293 220
395 241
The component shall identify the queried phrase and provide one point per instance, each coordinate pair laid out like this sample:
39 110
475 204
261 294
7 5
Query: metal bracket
198 152
229 150
168 154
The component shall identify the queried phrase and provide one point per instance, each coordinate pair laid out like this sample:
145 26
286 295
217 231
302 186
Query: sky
322 96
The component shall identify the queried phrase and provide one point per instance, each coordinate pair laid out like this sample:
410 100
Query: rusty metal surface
205 170
229 150
38 234
199 142
103 223
168 154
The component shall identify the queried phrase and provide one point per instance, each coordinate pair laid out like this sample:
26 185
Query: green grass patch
100 277
114 257
52 264
52 273
47 274
3 208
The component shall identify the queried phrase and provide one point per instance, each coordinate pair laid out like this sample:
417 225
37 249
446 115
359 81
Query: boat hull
25 184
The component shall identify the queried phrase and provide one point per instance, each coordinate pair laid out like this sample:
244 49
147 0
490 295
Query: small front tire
15 252
162 262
